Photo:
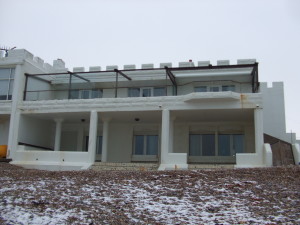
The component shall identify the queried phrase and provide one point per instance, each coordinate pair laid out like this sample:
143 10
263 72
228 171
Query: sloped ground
227 196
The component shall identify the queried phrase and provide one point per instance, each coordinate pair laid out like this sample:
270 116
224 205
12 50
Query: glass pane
228 88
195 147
201 89
214 89
224 145
5 73
146 92
160 91
99 145
208 144
139 145
152 145
238 143
3 89
85 94
86 147
96 93
133 92
74 94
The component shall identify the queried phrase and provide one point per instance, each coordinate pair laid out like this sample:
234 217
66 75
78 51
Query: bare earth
225 196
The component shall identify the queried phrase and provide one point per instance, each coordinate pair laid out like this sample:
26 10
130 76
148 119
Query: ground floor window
145 145
98 144
215 145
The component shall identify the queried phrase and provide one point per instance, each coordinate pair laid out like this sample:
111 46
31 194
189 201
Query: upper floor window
146 91
6 83
201 89
86 94
228 88
214 88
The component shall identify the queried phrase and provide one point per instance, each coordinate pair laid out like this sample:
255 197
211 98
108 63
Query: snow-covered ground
229 196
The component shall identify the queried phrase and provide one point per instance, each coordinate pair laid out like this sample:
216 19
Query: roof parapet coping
246 61
186 64
129 67
58 64
20 53
112 67
163 65
148 66
95 68
203 63
78 69
223 62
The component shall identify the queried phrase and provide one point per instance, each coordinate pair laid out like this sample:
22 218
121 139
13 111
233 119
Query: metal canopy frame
169 73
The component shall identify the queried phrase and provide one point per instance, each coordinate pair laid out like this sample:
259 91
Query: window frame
10 84
141 91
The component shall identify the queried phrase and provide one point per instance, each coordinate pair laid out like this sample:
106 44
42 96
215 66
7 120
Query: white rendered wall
274 110
36 131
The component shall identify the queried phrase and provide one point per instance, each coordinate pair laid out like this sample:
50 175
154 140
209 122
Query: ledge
212 96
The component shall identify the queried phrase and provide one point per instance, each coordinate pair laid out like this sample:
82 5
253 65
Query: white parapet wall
267 154
248 160
296 153
174 161
52 160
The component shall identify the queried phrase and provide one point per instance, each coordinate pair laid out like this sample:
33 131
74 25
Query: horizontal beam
159 69
80 77
124 75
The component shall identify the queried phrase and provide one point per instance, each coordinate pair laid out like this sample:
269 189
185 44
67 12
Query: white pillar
259 134
15 115
165 136
171 134
93 136
58 123
105 140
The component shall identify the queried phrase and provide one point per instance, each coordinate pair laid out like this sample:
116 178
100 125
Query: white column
15 115
259 133
58 123
171 134
105 140
93 136
165 136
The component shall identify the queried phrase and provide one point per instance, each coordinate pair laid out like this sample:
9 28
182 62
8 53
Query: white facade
172 116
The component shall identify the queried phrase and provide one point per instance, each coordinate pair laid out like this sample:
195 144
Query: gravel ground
225 196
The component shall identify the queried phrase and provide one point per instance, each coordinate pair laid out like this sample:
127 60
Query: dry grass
225 196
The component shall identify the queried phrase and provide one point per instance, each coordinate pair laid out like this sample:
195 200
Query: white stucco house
171 116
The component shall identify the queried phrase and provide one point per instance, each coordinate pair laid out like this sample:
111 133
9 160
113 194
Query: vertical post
105 139
70 85
165 136
116 89
259 133
58 124
93 136
25 89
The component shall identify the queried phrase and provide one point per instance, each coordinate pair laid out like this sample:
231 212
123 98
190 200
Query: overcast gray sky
117 32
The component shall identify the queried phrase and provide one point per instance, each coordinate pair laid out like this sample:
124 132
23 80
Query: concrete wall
274 111
36 131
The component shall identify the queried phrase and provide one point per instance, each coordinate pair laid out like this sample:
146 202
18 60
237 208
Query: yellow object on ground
3 151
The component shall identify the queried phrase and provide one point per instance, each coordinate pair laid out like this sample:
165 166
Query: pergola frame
168 70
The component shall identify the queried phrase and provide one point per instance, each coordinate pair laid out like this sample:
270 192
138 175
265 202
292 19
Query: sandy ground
225 196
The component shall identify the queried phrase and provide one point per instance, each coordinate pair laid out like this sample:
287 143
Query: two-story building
173 117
